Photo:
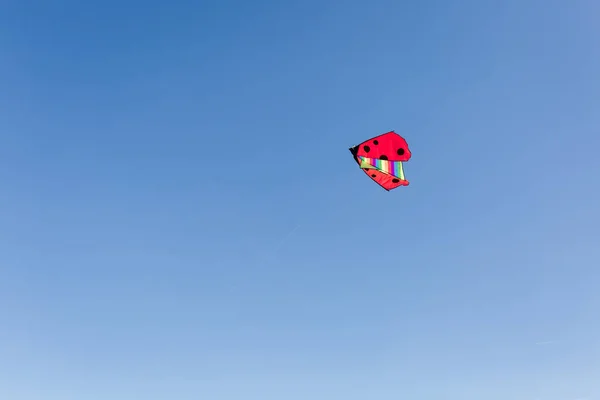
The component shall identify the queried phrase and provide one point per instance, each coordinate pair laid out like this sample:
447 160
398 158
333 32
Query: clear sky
180 217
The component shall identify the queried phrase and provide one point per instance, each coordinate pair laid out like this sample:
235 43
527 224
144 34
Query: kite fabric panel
382 158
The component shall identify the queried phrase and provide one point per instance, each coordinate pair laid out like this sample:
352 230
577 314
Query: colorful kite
381 158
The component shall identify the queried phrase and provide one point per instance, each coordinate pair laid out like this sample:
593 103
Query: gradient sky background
180 217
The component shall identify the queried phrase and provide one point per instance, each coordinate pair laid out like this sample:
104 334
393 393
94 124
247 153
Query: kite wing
381 158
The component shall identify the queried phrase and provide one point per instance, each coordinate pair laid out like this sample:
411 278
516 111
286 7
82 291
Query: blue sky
180 217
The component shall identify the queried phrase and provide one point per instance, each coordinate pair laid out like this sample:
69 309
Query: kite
381 158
